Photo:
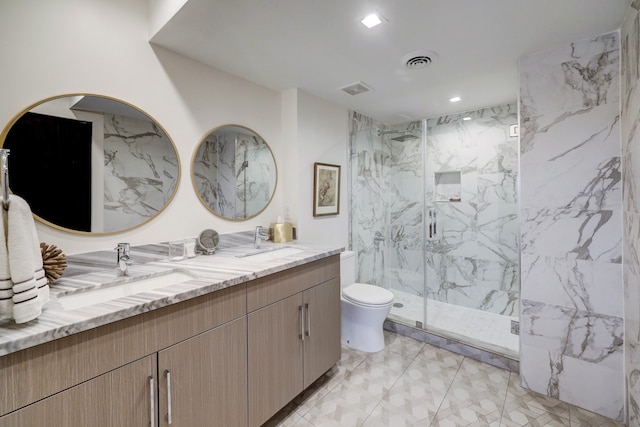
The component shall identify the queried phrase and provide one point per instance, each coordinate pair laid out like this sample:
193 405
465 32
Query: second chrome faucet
124 258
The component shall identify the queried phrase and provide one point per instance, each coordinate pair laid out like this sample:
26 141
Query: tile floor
411 383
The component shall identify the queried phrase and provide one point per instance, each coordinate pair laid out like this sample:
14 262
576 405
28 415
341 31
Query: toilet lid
362 293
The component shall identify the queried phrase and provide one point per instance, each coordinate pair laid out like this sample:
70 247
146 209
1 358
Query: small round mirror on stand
208 241
234 172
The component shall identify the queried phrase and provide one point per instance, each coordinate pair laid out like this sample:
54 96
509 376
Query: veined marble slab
226 268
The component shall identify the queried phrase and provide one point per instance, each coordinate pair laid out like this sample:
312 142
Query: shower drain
398 304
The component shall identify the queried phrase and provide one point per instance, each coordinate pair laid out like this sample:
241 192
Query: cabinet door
203 380
122 397
322 329
275 357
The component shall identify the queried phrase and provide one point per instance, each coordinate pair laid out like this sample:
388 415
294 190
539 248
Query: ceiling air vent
417 60
356 88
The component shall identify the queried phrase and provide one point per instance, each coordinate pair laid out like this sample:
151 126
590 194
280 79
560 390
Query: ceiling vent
356 88
419 59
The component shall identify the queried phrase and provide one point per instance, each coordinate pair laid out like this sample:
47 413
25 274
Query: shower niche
447 186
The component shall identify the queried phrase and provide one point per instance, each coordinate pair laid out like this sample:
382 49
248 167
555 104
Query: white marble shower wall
472 259
387 206
630 138
138 182
472 171
571 225
369 206
404 243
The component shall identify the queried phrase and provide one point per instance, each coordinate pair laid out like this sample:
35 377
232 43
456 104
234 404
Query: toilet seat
367 295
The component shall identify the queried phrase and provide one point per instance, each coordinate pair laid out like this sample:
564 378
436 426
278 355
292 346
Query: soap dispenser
281 231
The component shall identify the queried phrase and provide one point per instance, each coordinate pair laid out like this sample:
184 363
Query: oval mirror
92 164
234 172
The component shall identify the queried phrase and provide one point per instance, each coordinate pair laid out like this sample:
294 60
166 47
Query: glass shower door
472 254
387 212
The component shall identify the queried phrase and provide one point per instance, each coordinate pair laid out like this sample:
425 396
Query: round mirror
90 164
234 172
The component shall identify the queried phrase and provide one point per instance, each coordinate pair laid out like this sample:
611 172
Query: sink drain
398 305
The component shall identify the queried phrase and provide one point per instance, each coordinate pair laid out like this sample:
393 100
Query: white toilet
364 308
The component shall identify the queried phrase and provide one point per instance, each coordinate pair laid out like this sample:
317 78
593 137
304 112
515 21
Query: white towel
25 262
6 285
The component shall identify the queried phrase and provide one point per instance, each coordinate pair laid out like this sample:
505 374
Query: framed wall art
326 189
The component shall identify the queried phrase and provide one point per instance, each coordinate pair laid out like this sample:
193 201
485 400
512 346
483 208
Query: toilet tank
347 268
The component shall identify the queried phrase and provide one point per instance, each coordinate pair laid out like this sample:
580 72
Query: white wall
69 46
160 12
322 135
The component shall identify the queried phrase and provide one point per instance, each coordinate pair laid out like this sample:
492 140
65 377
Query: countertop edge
55 323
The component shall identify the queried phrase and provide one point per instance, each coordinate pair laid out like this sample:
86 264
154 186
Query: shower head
404 137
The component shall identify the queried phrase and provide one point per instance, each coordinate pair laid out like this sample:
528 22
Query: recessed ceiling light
371 20
455 99
466 118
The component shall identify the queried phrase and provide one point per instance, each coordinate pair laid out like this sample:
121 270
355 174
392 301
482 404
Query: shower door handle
432 223
435 222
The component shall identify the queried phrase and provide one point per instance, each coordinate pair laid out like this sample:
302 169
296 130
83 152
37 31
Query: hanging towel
6 285
25 262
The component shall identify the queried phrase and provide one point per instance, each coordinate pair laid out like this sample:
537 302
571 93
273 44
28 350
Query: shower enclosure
435 220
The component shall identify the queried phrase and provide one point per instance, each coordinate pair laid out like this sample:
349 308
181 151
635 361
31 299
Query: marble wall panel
214 170
630 129
571 78
579 149
138 181
572 328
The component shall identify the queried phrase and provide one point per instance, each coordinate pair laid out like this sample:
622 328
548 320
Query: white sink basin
122 287
272 254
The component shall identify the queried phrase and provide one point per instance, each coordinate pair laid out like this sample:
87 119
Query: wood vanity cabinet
203 381
293 333
118 398
115 375
230 358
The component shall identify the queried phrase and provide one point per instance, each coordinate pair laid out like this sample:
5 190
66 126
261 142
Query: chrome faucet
259 236
124 258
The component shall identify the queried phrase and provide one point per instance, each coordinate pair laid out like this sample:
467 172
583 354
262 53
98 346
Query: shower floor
478 328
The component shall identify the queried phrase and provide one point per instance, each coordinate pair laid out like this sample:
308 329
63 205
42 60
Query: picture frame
326 189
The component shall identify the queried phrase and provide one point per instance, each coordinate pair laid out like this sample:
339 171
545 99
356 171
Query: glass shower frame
452 244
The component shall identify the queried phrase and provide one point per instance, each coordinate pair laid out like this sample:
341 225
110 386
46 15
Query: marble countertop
229 266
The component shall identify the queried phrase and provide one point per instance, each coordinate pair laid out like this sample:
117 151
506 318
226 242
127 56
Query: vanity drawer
275 287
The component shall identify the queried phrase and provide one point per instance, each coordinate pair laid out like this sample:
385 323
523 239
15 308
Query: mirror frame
10 124
193 178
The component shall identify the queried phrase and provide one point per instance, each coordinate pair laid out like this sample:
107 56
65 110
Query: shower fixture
406 135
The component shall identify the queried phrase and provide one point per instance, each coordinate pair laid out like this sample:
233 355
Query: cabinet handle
302 322
151 400
168 374
306 306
